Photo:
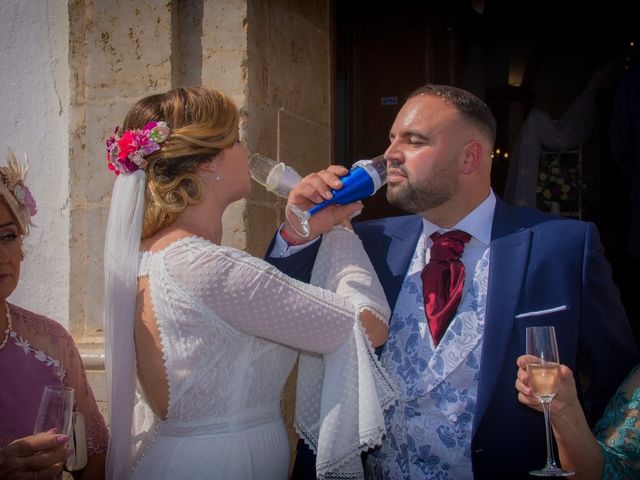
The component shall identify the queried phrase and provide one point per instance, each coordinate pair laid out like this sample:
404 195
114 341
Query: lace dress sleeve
257 299
96 431
618 431
49 340
343 266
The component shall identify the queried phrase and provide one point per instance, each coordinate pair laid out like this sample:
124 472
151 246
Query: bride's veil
121 259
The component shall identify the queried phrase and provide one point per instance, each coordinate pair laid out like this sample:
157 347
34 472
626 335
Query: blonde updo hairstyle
202 122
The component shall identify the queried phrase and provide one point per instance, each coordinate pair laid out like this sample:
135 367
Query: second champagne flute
544 378
274 176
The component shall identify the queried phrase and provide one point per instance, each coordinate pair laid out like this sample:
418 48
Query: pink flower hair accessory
15 192
126 153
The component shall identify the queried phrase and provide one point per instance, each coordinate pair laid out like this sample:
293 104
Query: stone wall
117 55
288 98
34 101
288 111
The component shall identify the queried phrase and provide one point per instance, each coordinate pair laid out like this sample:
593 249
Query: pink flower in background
29 201
24 197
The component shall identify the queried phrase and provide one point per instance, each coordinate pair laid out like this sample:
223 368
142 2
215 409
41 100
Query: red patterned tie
443 280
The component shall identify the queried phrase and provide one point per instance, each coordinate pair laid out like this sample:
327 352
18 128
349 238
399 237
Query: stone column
119 52
224 67
288 111
288 98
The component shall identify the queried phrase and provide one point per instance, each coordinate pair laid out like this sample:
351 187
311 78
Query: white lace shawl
341 397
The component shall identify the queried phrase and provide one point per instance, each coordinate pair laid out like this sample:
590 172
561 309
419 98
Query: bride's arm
343 266
257 299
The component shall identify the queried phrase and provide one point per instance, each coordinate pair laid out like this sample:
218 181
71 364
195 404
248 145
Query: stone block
262 222
234 225
98 381
307 142
261 126
128 49
224 46
86 299
293 70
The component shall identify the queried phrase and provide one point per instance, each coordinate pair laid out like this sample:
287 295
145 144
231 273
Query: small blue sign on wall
388 100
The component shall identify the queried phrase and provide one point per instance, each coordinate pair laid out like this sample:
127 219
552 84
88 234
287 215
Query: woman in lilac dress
35 351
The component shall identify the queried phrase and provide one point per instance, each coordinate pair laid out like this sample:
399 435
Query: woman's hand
40 457
578 449
566 399
314 189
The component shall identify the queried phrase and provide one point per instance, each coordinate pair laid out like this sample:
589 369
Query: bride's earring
215 172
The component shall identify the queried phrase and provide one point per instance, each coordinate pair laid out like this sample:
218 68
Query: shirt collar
477 223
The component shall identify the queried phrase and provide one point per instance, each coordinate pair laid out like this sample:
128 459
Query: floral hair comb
126 152
16 194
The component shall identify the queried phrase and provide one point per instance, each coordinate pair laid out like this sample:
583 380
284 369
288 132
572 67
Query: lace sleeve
50 341
618 431
343 266
258 299
96 431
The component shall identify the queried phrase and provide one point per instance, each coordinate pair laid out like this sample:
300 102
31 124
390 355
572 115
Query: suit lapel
509 256
391 249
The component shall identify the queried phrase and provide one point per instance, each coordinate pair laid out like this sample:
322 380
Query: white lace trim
341 396
49 361
150 269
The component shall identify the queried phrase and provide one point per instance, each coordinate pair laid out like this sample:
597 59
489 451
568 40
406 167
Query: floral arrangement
559 181
13 176
126 152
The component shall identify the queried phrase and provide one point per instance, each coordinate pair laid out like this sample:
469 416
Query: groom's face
424 154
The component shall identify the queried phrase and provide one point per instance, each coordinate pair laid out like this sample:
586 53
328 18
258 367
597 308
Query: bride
210 331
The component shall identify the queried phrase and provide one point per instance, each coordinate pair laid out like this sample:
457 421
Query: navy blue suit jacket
537 262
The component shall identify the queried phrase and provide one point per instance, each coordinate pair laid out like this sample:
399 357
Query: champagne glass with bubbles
363 180
544 378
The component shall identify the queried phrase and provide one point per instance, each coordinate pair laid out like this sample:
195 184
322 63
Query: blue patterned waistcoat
429 428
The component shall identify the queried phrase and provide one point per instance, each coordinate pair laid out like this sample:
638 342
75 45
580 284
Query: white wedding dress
231 326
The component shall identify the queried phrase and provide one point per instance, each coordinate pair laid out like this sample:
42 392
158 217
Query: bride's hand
314 189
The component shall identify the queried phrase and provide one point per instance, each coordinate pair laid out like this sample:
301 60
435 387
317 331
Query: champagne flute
363 180
55 411
544 378
274 176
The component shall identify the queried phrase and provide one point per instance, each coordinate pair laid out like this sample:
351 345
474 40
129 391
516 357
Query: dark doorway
382 54
514 55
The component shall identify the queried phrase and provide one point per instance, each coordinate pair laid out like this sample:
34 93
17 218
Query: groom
461 301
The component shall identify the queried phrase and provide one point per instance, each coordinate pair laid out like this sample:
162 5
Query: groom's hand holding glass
313 189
